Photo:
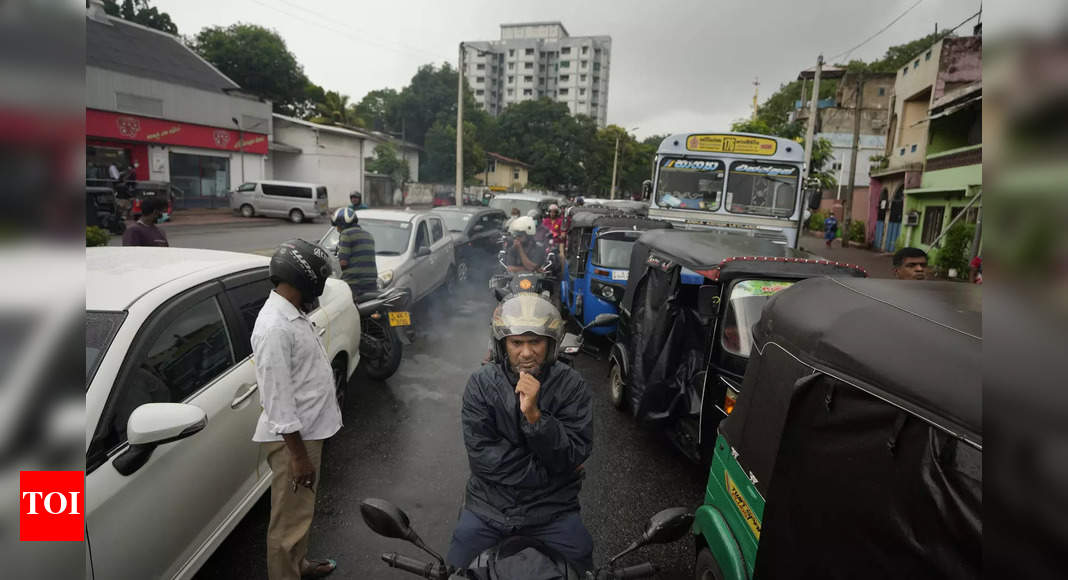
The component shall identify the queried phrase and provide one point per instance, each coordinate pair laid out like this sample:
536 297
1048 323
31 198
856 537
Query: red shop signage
148 130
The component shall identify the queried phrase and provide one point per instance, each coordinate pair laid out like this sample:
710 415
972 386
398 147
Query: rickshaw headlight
606 291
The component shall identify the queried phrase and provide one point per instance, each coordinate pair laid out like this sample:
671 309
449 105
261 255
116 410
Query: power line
328 19
881 30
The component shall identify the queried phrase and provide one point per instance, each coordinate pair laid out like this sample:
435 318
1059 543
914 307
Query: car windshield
524 205
762 189
690 183
613 250
743 312
455 221
100 329
391 238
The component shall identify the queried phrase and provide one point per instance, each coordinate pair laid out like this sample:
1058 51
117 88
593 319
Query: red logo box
52 506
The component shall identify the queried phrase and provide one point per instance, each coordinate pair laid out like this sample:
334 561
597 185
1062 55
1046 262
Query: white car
171 402
412 250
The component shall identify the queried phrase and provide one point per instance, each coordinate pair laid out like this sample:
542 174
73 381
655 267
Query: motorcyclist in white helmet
525 253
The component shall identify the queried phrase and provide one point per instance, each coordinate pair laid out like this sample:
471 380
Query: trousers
566 534
291 512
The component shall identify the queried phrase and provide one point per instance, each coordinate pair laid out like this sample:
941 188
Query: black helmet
304 266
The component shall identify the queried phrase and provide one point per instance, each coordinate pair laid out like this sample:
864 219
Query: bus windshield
690 183
762 189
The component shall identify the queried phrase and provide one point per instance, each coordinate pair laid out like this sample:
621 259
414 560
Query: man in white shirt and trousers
300 408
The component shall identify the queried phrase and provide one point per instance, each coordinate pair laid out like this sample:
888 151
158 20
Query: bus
737 182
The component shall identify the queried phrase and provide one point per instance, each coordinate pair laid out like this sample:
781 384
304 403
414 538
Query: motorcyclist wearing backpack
527 422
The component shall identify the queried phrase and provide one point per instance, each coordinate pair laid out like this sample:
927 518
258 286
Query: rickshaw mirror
385 519
708 299
668 526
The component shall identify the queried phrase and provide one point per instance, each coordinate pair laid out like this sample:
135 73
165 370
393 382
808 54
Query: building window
916 64
511 52
596 66
480 66
565 50
927 56
511 66
905 71
933 216
527 92
480 79
529 51
582 91
511 92
511 79
584 63
528 65
563 92
913 147
565 78
480 92
597 53
515 173
528 79
582 78
902 150
541 68
882 91
565 64
585 49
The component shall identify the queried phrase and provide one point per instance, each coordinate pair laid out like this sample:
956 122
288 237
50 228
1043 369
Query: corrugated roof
135 50
500 157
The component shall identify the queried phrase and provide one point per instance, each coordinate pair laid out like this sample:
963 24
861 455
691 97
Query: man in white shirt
300 407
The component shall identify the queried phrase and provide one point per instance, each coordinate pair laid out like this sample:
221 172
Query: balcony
960 157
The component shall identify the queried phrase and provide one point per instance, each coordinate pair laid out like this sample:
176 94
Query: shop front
201 163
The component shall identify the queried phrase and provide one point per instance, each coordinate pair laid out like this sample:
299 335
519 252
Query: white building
540 59
336 157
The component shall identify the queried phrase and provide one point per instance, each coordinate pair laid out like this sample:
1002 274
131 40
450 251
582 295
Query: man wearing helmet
356 201
527 423
526 254
300 407
554 224
355 252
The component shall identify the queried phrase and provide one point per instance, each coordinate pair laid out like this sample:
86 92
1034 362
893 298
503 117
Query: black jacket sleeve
492 457
563 437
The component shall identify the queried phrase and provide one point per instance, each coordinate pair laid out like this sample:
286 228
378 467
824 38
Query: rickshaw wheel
707 568
617 389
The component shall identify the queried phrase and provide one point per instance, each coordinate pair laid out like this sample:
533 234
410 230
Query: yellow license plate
399 319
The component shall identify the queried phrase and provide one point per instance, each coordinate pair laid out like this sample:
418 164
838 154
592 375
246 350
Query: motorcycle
543 281
381 341
518 558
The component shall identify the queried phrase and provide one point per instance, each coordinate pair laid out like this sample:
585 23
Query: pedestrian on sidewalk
830 229
144 232
910 264
300 409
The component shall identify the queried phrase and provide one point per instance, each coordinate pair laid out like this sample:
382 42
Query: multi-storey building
540 59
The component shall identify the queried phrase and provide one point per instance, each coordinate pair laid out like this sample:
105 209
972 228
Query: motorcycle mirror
385 519
664 527
603 319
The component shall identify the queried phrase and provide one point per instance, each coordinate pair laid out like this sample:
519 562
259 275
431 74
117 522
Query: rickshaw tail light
729 400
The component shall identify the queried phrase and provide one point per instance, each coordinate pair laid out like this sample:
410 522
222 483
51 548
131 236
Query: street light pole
460 129
240 146
615 163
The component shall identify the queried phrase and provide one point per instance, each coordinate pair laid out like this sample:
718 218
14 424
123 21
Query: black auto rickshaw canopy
860 422
666 334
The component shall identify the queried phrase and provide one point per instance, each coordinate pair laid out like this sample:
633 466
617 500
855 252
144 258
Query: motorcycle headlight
385 278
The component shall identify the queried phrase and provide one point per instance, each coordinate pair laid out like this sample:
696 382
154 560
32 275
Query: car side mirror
478 228
708 300
422 251
154 424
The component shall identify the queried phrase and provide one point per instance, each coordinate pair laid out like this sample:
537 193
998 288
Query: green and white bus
737 182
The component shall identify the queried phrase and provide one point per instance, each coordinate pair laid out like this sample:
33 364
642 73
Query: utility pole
460 130
847 211
240 145
615 161
810 133
756 95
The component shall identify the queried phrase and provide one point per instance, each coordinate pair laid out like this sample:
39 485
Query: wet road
401 441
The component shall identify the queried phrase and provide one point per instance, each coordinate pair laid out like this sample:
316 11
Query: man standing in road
300 407
527 423
144 232
356 201
355 253
910 264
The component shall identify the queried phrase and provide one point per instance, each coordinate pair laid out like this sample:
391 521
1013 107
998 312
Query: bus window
762 189
690 183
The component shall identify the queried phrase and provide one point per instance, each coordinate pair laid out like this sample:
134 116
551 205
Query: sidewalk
878 264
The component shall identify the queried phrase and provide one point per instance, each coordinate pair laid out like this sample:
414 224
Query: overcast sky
676 65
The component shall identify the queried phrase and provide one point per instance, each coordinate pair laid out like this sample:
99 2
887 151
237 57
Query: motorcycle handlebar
424 569
643 570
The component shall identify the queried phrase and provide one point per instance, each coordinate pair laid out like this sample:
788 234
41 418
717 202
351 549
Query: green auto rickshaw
855 447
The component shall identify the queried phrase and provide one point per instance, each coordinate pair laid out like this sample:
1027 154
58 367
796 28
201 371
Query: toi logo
52 506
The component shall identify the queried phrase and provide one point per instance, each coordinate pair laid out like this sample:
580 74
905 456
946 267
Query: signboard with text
124 127
737 144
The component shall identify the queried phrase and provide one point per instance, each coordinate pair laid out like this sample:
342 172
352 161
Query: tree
387 162
544 134
897 56
142 13
258 60
440 149
334 109
379 110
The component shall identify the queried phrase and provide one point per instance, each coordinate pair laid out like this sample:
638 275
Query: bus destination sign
738 144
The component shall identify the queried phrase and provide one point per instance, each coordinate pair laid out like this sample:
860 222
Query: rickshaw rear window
747 299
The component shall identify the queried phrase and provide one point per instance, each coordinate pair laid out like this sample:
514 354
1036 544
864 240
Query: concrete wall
335 161
411 156
503 176
961 63
423 193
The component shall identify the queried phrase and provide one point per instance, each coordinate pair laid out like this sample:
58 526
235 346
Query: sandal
317 568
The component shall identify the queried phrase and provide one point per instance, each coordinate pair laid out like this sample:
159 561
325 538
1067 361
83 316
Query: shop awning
943 190
283 148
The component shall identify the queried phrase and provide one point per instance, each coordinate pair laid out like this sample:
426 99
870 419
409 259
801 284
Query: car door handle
252 387
322 331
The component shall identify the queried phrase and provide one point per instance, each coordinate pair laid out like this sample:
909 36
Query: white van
289 199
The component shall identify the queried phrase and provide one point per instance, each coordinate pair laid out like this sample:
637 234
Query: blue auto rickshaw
597 262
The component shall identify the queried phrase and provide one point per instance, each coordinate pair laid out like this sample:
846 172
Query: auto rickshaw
143 189
101 210
855 447
597 263
685 337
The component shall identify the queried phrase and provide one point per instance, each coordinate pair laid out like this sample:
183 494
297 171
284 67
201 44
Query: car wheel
341 382
617 388
247 211
706 567
451 281
296 216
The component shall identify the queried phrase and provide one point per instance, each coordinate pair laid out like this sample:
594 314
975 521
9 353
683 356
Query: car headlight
385 278
607 292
